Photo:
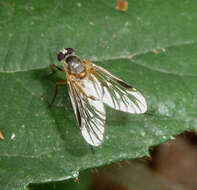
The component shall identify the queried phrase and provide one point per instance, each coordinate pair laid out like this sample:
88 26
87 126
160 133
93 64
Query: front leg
54 68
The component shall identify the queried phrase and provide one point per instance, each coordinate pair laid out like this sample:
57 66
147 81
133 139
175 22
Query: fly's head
64 54
72 63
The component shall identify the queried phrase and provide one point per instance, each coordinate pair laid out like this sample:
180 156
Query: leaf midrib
128 57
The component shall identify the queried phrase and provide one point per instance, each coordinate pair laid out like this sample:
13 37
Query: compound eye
60 56
69 50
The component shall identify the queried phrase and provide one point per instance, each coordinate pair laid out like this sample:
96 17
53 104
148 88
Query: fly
90 88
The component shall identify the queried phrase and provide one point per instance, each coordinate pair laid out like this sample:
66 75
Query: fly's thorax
75 65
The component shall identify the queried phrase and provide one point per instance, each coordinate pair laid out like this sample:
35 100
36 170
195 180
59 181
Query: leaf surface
152 46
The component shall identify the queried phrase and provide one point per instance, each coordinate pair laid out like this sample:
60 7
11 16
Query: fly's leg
54 68
61 82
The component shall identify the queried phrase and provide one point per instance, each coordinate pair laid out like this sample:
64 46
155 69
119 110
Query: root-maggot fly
90 88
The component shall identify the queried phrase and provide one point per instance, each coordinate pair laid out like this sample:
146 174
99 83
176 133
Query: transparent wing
89 110
118 94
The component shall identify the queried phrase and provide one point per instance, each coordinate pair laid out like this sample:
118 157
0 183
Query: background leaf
151 46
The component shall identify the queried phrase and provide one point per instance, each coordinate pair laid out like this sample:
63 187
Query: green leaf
152 46
82 184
